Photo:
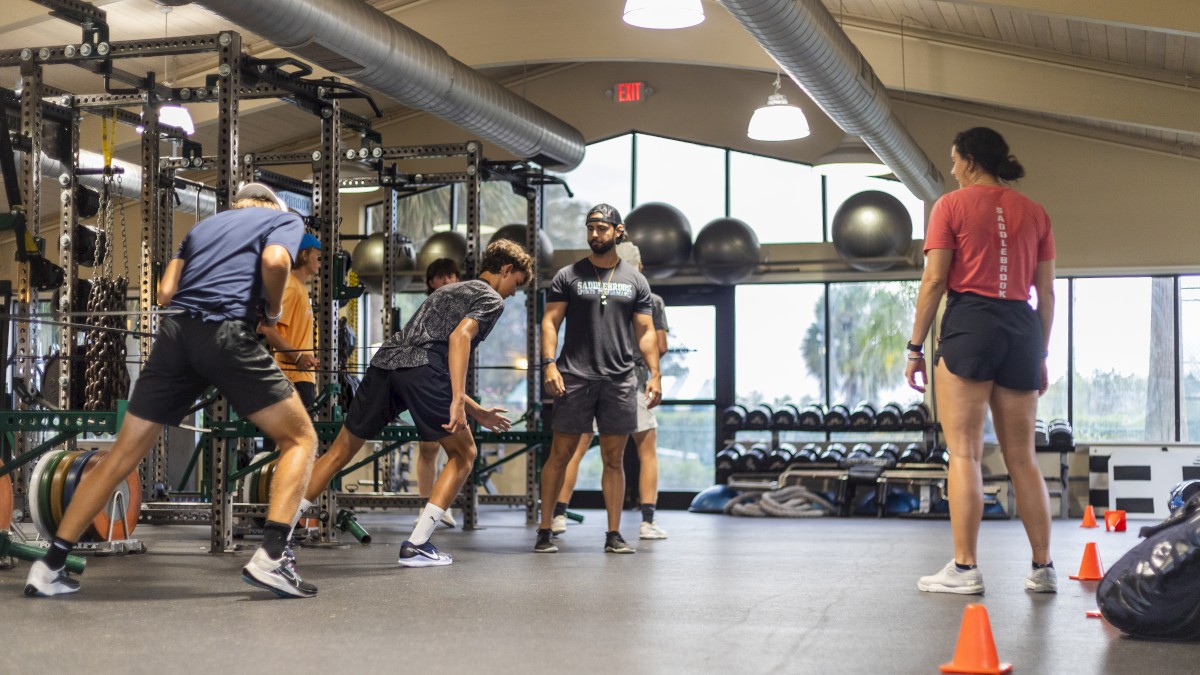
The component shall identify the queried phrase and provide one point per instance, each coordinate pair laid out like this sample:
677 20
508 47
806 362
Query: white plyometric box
1140 477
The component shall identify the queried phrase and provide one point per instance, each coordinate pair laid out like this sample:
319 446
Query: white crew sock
304 506
426 524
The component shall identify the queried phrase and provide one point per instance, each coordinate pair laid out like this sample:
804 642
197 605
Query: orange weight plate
6 501
57 483
131 489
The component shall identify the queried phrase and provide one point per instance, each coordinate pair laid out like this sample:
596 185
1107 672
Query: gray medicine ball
663 235
871 224
726 251
443 245
368 262
516 232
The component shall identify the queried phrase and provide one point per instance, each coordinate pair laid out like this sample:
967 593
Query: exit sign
630 92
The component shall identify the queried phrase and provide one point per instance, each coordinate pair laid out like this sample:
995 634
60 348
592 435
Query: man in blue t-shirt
606 304
229 274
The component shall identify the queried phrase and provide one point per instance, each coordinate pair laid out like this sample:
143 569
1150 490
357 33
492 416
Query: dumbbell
780 457
833 453
734 417
759 417
888 452
812 418
939 455
1040 437
888 416
786 418
915 416
838 418
861 452
863 416
807 455
914 453
1060 433
754 460
727 459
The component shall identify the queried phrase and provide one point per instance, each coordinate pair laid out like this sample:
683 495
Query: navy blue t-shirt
222 255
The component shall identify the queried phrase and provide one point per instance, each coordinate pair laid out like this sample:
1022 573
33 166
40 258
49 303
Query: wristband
273 318
547 361
918 357
916 348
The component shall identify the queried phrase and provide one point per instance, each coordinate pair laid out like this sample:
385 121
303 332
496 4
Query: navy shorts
611 404
189 355
992 340
424 391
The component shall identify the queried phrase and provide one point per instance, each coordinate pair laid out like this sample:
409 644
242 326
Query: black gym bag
1154 590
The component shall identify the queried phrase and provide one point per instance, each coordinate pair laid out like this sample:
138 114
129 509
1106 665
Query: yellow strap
104 139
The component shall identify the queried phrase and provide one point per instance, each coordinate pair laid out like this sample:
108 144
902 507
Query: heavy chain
106 377
124 229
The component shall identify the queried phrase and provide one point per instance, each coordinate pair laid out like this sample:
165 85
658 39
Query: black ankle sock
275 537
964 568
560 509
1039 566
647 513
56 557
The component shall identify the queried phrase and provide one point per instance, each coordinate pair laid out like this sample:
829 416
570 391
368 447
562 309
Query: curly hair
506 252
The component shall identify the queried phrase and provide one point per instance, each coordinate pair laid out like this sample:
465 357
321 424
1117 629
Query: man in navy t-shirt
228 274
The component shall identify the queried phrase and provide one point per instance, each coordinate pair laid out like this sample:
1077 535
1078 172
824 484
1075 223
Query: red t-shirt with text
998 236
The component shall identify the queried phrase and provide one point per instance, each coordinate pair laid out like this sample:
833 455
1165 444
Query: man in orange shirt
292 337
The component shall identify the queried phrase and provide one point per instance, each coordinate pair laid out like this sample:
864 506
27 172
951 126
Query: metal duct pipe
131 183
352 38
805 40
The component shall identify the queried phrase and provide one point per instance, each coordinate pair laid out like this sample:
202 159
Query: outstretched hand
492 419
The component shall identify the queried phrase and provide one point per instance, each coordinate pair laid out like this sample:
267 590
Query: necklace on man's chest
604 285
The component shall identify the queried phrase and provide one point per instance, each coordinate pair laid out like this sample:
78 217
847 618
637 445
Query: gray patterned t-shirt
433 322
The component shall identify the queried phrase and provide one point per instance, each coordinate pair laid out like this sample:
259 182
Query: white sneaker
558 524
951 580
278 576
1042 580
651 531
448 519
43 581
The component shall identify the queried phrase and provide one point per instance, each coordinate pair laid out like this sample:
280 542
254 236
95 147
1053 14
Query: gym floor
722 595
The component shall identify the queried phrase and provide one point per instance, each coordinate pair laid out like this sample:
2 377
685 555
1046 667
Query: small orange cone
1089 517
1091 569
976 651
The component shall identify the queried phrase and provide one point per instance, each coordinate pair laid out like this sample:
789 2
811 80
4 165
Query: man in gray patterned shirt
423 369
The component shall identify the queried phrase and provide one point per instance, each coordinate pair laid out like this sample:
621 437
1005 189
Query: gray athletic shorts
645 416
190 354
611 404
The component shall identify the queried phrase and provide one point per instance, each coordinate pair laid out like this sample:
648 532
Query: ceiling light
851 157
663 14
777 120
176 116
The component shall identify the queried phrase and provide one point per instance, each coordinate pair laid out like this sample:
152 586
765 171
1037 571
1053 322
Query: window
780 361
868 324
602 177
503 361
1053 404
840 188
780 200
687 176
1126 392
1189 328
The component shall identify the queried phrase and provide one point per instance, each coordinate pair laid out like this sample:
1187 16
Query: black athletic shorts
607 406
991 339
189 355
423 391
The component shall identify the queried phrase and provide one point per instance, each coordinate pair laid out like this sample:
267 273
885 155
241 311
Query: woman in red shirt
987 245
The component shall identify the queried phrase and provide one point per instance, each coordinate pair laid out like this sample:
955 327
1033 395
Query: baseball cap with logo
260 192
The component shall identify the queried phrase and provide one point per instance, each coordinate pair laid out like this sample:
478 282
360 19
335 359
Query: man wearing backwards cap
606 304
292 336
224 268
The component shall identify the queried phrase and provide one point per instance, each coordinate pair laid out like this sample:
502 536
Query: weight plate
73 477
131 489
57 484
45 488
264 482
252 479
33 498
6 501
89 534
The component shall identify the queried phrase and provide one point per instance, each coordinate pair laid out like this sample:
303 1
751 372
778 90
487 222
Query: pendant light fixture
663 14
778 120
172 115
851 157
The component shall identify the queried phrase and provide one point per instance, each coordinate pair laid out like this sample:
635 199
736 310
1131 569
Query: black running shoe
544 542
278 576
614 543
425 555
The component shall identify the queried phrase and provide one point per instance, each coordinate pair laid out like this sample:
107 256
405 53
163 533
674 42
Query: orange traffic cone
1089 517
976 651
1091 569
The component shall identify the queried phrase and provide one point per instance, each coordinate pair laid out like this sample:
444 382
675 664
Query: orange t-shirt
296 326
998 236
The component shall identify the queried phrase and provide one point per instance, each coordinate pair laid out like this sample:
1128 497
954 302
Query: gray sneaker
1042 580
951 580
